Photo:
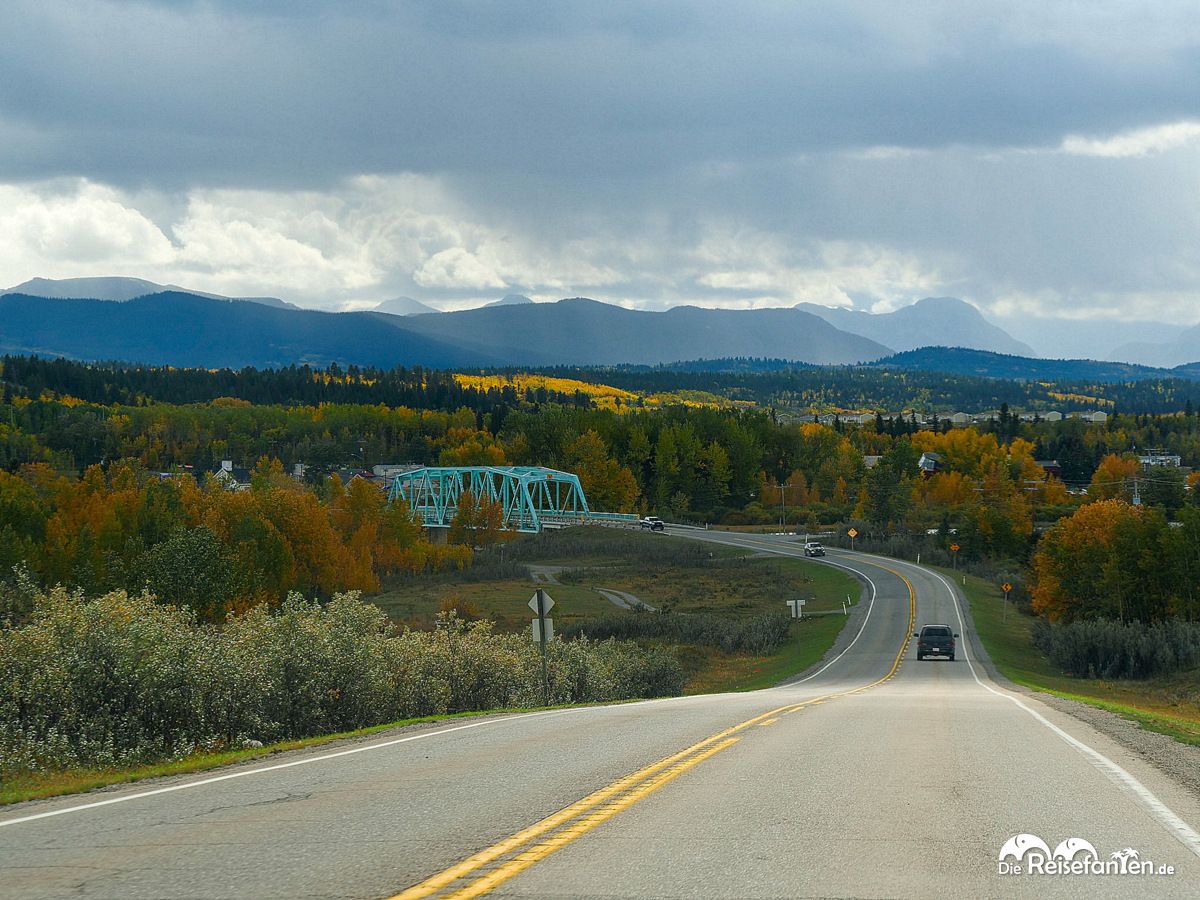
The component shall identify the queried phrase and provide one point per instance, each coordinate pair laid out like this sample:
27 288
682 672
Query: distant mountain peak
98 288
942 303
404 306
947 321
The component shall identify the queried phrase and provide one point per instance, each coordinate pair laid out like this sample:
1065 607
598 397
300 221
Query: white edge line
1157 809
274 768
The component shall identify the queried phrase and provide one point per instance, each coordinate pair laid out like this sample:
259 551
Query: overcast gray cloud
1036 158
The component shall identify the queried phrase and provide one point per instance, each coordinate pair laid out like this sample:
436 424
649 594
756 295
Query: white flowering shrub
119 679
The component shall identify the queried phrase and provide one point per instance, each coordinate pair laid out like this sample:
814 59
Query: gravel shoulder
1178 761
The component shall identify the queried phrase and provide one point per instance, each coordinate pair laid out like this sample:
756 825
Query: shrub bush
119 680
1103 648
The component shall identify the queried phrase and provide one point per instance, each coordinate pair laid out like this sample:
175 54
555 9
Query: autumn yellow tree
478 521
1113 478
1071 567
607 485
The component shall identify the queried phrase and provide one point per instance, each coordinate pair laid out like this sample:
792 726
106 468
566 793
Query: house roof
237 473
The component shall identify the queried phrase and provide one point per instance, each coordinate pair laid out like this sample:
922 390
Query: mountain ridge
1184 348
932 320
582 331
202 332
119 289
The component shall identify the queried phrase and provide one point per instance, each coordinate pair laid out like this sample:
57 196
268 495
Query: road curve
873 775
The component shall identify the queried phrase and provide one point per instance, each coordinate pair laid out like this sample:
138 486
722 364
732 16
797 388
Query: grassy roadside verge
808 642
1167 705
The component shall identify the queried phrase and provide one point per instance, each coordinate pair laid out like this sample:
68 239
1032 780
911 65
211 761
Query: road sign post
1006 587
541 603
954 548
853 532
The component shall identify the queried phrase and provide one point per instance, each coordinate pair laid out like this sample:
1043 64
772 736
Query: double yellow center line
488 869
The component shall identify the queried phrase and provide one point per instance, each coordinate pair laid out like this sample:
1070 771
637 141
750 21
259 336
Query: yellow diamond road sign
1007 587
853 532
954 547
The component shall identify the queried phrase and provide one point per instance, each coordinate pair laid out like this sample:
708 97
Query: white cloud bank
377 236
1134 143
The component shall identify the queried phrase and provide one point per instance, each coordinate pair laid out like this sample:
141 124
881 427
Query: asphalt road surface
874 776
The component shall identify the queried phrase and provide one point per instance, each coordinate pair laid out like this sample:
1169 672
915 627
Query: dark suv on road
935 640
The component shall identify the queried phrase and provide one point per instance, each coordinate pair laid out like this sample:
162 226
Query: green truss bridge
532 497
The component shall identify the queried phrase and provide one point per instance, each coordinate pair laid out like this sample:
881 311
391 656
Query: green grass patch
711 671
1169 705
663 571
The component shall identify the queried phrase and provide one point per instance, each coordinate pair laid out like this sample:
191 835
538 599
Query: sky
1038 159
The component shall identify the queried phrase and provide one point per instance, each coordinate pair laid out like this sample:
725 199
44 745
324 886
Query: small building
348 475
871 462
232 478
1052 416
929 463
960 419
1151 459
1050 466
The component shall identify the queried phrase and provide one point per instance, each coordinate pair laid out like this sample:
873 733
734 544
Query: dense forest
104 465
808 389
778 384
127 385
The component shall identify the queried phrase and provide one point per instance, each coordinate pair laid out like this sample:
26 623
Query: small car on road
814 548
935 640
653 523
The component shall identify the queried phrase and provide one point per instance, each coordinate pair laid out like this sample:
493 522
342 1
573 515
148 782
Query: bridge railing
619 520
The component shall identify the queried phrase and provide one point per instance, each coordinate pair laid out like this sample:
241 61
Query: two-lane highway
874 776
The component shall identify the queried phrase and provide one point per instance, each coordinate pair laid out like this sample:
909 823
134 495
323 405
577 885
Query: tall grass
759 635
120 680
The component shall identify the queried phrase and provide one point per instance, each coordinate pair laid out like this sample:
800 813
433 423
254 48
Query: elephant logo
1020 844
1069 848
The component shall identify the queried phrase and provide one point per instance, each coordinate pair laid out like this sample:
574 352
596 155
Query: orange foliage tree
126 528
1112 478
1075 568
